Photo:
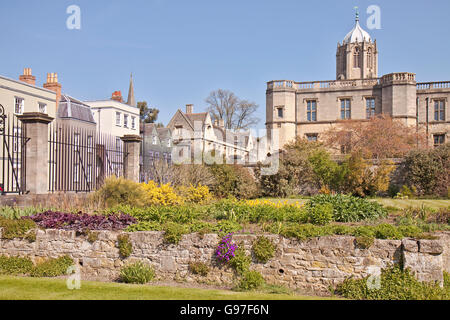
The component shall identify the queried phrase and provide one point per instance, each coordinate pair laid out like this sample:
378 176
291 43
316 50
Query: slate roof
71 108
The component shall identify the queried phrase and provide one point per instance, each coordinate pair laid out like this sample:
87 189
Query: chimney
27 77
221 123
189 108
53 85
117 96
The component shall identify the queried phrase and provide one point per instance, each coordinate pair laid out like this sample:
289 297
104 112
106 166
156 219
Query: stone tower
357 56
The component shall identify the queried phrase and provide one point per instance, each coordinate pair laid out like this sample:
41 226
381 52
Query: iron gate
13 154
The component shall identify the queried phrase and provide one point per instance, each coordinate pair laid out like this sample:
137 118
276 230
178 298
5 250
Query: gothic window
311 110
345 109
369 58
439 139
356 58
439 110
370 107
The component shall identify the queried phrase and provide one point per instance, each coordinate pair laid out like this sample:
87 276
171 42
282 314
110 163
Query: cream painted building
196 136
20 96
307 109
116 117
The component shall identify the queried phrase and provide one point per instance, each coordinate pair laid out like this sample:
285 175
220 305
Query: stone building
156 153
307 109
196 136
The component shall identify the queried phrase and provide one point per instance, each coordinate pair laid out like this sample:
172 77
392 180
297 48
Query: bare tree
236 113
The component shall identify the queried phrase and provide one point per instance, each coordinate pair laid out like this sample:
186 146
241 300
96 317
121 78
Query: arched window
356 58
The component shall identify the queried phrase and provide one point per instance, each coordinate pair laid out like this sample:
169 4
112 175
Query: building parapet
433 85
337 84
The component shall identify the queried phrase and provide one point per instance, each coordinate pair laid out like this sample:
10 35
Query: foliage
80 222
15 265
199 268
125 245
295 173
197 195
361 179
52 267
17 213
121 191
381 137
328 174
192 174
233 181
251 280
240 261
396 284
91 236
173 232
163 195
364 242
138 272
263 249
147 115
320 214
428 170
226 249
17 228
348 208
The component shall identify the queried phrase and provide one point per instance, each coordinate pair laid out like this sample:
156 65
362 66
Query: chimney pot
189 108
27 77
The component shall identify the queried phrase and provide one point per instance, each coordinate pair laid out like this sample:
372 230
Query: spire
357 14
131 101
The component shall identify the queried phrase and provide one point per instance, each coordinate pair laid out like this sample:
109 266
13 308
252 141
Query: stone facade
310 266
307 109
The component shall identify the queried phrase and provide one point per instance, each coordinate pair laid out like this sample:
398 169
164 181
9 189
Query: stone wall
44 200
310 266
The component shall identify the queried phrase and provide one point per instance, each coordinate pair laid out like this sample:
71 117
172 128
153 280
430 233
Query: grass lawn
18 288
398 203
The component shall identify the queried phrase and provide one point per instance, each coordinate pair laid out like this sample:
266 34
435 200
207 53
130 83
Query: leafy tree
236 113
147 114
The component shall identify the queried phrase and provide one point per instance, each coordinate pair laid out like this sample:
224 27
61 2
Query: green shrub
199 268
364 242
17 213
396 284
16 228
387 231
15 265
138 272
263 249
250 280
144 226
233 181
320 214
348 208
91 236
52 267
225 227
125 246
119 191
173 232
241 261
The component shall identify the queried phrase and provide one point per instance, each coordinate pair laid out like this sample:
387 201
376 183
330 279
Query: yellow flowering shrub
199 195
163 195
279 204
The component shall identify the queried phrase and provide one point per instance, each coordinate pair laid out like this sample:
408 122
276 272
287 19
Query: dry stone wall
309 266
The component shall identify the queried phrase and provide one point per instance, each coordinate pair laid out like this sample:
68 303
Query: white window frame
118 119
43 106
125 121
19 102
133 123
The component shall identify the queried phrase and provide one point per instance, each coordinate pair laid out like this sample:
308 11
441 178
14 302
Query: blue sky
180 50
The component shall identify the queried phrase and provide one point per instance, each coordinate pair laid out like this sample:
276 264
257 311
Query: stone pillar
131 156
36 129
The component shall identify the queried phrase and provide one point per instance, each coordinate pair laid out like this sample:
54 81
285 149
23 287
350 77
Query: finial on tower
357 14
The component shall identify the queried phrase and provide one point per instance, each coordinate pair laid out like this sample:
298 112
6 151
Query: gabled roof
71 108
